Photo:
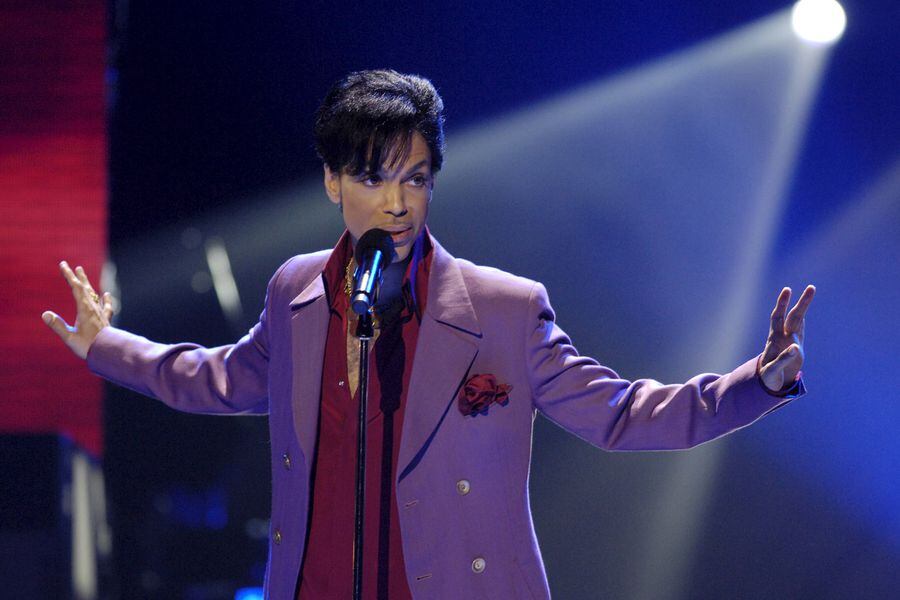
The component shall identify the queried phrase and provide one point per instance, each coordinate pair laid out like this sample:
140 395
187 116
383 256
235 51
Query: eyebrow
415 167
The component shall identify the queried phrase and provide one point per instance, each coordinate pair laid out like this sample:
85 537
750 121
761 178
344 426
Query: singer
463 357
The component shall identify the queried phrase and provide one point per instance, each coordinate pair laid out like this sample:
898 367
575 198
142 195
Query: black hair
368 113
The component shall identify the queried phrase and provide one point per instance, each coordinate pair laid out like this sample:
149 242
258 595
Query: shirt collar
415 280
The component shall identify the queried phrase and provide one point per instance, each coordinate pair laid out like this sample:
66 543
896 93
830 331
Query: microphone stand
374 250
365 332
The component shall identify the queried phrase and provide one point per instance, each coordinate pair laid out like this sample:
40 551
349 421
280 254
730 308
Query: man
463 359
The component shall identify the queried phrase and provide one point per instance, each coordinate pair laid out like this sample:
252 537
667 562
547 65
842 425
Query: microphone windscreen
375 239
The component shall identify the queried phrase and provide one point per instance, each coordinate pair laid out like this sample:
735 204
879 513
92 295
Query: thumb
773 373
56 323
787 356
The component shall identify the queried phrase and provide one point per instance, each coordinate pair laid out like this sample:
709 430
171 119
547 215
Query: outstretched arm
593 402
225 380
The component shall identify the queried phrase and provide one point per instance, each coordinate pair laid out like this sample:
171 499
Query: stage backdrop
53 195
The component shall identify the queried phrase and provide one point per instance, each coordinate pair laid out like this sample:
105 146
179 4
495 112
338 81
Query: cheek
420 207
357 214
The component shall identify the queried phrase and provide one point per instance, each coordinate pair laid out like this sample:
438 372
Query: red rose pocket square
479 392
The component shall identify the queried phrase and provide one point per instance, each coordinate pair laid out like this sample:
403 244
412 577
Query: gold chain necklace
348 278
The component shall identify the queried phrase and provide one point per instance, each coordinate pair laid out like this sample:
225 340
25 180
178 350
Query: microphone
374 252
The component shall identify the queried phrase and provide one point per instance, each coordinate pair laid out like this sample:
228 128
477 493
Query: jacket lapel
309 328
445 351
446 348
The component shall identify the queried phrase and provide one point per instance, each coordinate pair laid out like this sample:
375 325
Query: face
394 199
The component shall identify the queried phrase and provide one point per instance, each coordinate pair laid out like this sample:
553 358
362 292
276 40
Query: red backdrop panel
53 197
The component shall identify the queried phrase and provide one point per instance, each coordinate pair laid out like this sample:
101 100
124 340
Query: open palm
93 312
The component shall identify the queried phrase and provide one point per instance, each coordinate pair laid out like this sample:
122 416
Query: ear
333 185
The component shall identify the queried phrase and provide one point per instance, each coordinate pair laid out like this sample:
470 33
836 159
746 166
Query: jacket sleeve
594 403
231 379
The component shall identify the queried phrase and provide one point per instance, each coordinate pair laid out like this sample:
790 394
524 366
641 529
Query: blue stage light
251 593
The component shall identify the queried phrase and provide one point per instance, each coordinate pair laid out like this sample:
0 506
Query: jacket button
463 486
276 537
286 458
478 565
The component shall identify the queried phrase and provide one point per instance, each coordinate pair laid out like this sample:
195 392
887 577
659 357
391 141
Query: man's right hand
93 314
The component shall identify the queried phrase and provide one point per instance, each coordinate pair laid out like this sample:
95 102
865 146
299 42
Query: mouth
401 234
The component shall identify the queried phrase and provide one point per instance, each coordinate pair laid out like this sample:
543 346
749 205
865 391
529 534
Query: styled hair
368 118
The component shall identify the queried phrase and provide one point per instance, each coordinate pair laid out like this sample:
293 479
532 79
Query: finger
107 306
88 288
78 291
798 312
82 276
781 304
68 274
57 324
787 358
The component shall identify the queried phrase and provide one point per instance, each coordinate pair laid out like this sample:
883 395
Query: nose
394 203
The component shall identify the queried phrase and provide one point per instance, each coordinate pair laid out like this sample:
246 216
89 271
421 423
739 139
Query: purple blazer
462 482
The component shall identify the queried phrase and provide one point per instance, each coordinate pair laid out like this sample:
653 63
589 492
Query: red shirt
327 568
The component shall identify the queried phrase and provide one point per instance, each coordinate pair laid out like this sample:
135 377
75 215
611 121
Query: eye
370 180
419 180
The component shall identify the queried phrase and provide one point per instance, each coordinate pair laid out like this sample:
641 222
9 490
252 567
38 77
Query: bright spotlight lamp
819 21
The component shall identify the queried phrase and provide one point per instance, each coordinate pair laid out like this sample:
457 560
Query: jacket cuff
107 356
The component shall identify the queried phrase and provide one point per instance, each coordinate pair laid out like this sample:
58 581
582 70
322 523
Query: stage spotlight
820 21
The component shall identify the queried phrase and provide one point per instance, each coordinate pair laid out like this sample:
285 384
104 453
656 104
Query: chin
400 254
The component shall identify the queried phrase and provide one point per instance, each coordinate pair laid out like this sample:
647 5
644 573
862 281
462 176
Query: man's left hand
783 355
